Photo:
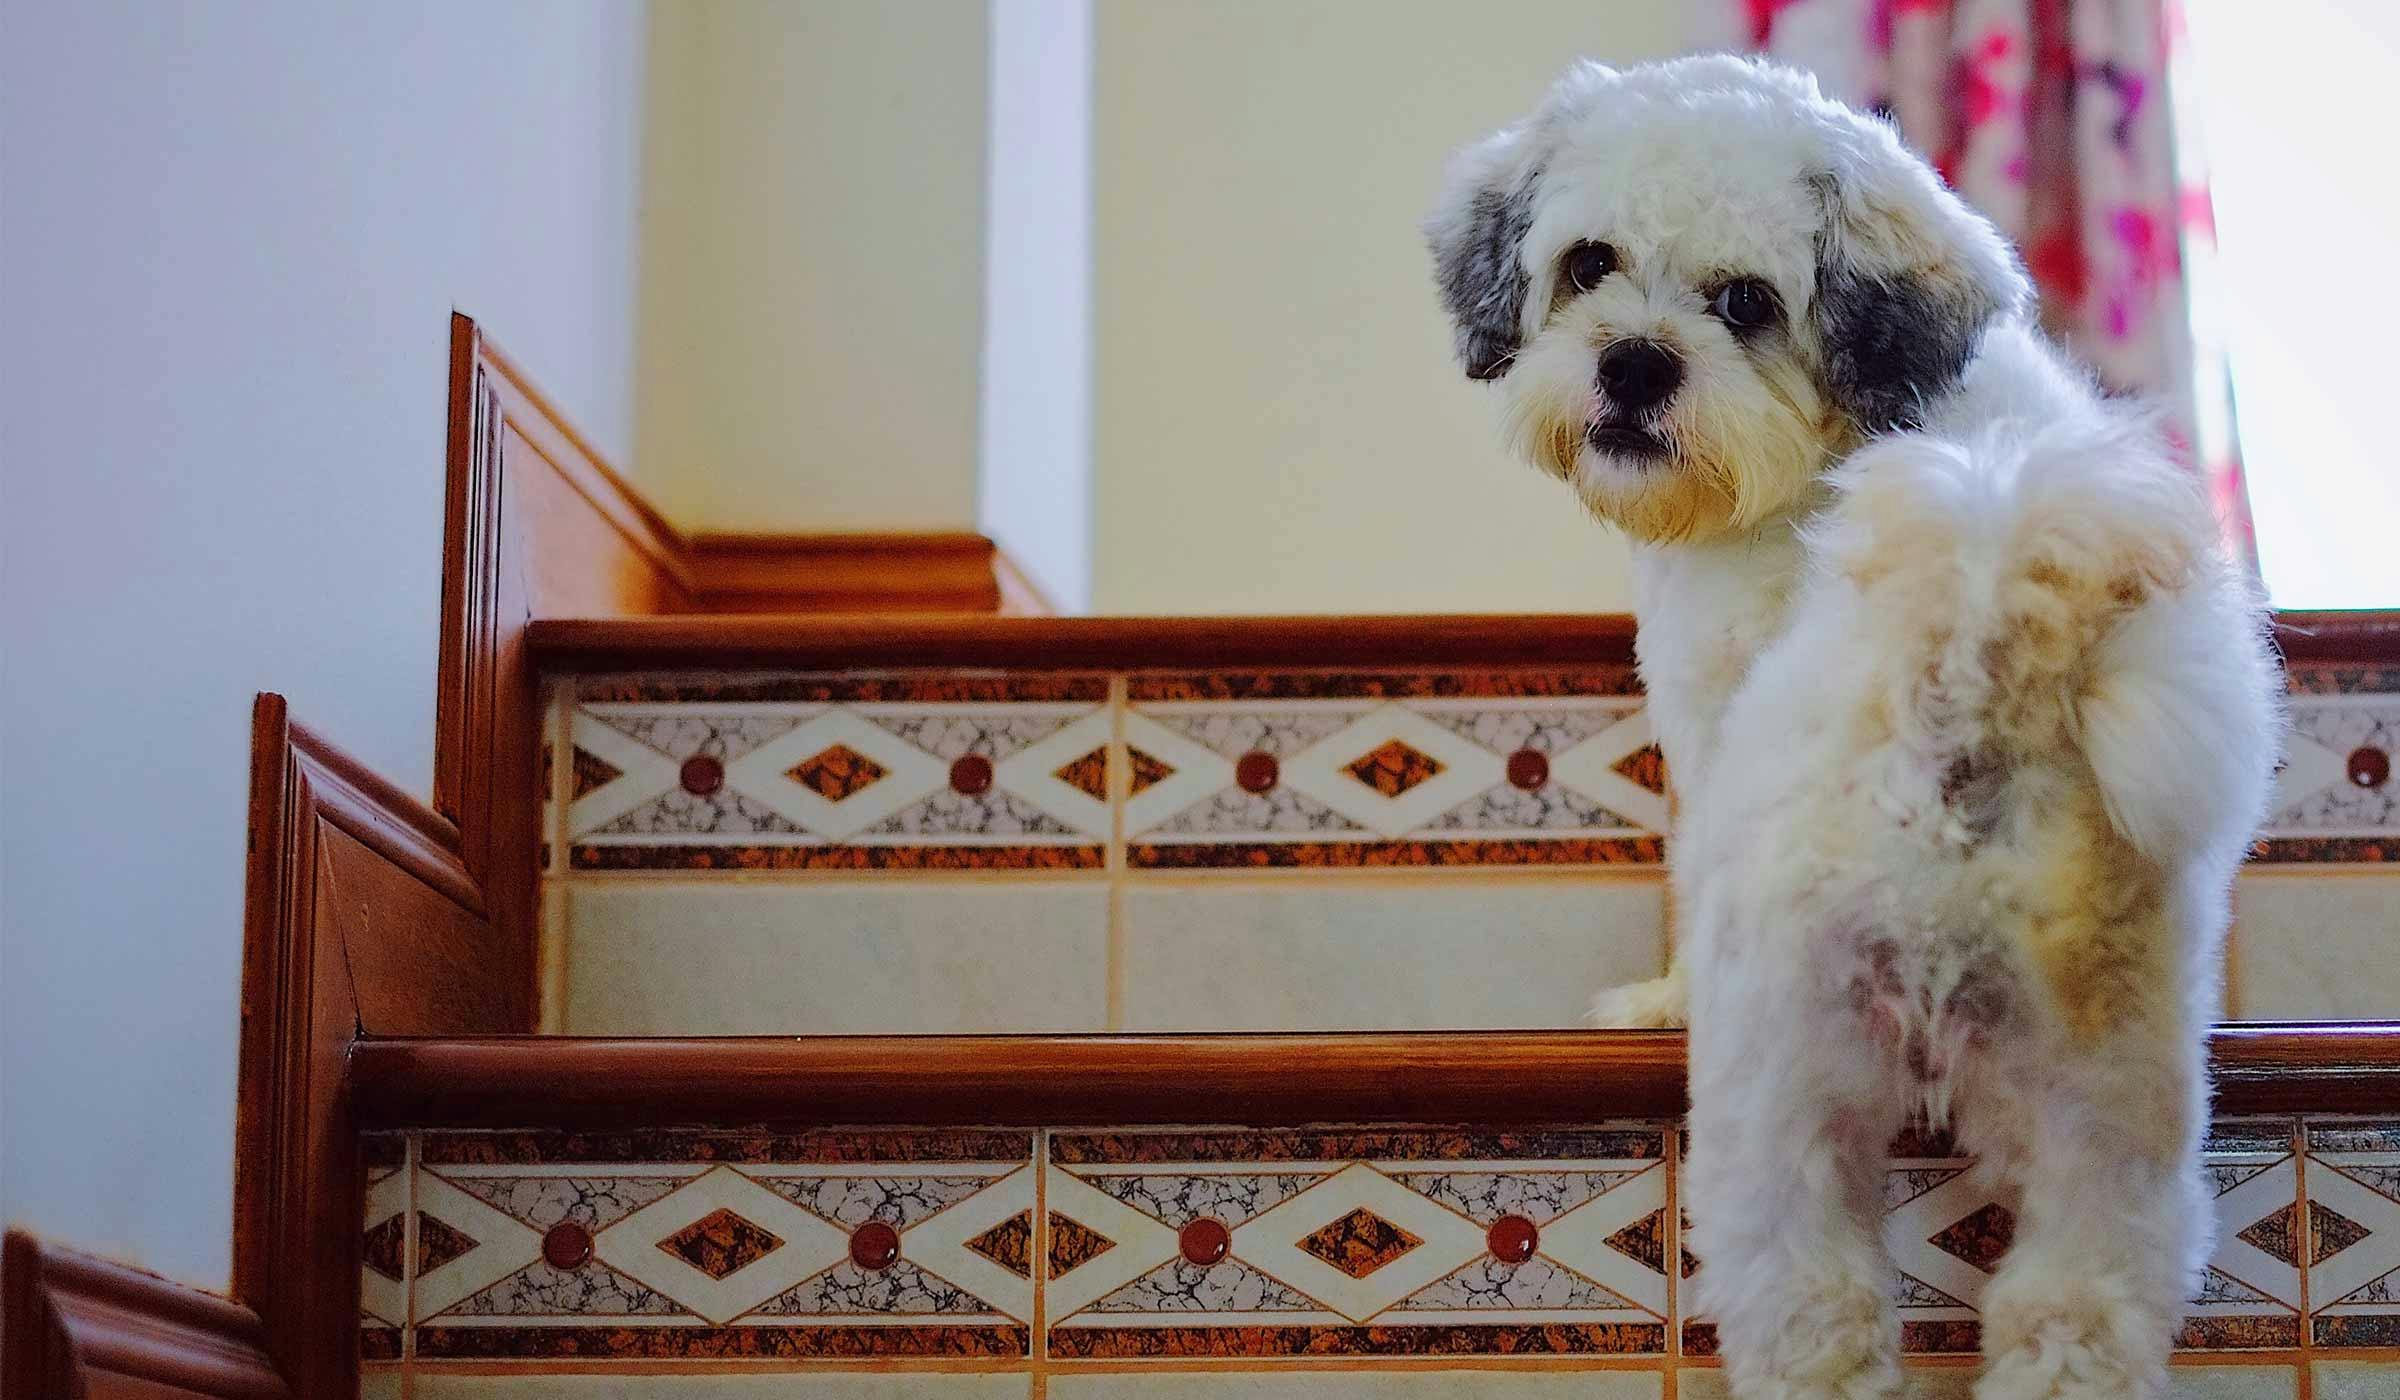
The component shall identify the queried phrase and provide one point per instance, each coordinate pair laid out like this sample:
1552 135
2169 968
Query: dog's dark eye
1586 263
1745 303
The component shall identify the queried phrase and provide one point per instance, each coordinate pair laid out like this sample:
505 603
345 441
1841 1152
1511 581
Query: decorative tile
711 1383
1372 770
1008 1244
2352 1241
709 1245
384 1249
2336 798
837 772
1372 1242
2249 1295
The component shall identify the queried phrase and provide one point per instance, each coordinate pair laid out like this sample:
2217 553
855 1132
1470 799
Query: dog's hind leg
1784 1187
2086 1303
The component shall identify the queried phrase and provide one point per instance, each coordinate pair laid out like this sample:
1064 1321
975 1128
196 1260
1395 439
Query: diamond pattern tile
837 771
2335 797
1394 768
1008 1244
1074 1244
1364 780
692 1256
1332 1252
825 783
1359 1243
1148 772
1087 774
721 1244
2354 1232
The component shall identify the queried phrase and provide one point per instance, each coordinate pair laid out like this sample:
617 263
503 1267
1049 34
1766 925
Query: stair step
915 1218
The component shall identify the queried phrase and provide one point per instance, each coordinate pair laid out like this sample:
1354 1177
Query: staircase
979 1006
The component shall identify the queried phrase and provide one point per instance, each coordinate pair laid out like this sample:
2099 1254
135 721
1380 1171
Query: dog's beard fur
1747 434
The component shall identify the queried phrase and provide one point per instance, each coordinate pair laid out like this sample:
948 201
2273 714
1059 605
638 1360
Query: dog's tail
2063 588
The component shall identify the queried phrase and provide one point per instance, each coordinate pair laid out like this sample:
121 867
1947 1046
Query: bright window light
2304 163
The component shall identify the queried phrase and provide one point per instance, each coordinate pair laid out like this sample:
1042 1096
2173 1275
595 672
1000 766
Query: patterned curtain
2064 121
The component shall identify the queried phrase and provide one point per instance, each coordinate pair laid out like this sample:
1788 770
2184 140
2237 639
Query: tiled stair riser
1222 850
1356 1255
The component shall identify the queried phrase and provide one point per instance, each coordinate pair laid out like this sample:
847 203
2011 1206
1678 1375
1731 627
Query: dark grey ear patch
1483 285
1894 342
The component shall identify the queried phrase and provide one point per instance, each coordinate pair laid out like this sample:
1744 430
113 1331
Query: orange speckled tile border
1379 855
837 857
814 1343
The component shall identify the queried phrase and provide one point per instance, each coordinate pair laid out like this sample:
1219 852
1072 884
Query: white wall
1034 486
230 240
812 298
1279 425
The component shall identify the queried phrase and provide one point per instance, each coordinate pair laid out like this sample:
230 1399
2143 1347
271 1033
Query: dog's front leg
1783 1186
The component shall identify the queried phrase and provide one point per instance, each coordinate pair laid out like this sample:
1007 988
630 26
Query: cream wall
1224 388
1279 425
812 298
230 240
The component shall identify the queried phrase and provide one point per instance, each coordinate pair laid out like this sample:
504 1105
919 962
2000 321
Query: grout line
1120 783
551 950
2303 1227
1037 1345
1672 1262
408 1265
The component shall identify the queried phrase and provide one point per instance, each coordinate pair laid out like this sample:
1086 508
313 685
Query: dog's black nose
1639 373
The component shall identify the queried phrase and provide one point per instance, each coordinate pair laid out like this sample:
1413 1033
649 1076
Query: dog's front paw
1652 1005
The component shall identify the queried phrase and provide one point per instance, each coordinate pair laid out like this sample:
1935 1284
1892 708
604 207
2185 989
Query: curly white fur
1969 715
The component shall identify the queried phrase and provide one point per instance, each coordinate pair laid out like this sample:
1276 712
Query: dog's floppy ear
1907 279
1475 229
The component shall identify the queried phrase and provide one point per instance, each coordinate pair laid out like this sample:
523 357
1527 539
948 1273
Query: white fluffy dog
1969 716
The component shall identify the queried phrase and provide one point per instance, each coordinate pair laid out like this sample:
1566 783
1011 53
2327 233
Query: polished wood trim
85 1329
955 572
2307 1067
1199 643
1082 643
1092 1080
386 820
2362 636
361 915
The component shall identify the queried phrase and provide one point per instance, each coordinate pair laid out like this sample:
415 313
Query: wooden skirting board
79 1328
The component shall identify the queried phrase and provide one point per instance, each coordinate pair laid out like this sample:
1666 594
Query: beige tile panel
2312 946
2356 1380
719 957
1433 953
1358 1385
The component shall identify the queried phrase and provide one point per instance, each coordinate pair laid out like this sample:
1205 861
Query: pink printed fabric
2058 119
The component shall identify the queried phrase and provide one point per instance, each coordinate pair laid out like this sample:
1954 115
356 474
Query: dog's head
1700 282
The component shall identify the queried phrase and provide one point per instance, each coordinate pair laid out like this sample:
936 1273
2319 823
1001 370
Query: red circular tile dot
874 1246
702 775
1257 771
2370 767
1205 1241
1528 768
567 1246
971 774
1513 1239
